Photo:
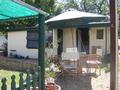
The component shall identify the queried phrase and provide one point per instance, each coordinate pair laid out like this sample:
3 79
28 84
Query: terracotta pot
51 86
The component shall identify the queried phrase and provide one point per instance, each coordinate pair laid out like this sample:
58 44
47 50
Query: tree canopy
96 6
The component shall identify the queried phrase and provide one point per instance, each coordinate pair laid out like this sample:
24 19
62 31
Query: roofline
90 24
31 7
97 23
49 21
16 18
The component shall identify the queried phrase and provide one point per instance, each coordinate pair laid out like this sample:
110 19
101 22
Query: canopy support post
41 51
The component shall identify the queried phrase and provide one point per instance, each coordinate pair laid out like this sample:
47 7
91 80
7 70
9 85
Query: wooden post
113 43
41 51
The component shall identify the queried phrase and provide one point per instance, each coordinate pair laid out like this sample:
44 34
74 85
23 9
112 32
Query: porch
85 39
85 82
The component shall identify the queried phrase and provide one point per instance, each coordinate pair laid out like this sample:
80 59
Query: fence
30 83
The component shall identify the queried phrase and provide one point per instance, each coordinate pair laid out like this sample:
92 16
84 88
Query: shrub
106 59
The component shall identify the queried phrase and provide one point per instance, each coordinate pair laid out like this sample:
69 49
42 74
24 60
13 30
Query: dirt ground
85 82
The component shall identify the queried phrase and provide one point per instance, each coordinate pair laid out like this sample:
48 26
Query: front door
83 39
60 41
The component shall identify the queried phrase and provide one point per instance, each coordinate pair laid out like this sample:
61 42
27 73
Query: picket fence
32 82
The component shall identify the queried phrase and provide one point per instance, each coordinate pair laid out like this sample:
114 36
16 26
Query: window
100 34
32 39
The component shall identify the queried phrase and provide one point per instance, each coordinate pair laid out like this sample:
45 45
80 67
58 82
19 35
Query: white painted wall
69 38
17 41
55 41
99 42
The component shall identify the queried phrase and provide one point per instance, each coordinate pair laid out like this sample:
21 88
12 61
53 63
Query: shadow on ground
74 83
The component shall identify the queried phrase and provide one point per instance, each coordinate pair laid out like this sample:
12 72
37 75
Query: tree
96 6
72 4
59 8
45 5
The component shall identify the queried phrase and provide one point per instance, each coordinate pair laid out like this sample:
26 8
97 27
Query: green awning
11 9
3 17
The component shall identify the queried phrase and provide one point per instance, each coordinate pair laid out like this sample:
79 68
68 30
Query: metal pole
113 43
41 50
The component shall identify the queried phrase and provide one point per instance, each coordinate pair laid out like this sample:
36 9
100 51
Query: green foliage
106 59
106 63
106 68
72 4
96 6
46 5
119 10
17 24
58 8
51 74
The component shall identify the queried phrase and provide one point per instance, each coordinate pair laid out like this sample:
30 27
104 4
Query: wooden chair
90 62
93 61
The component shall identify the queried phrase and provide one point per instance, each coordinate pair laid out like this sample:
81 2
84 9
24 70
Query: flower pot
52 86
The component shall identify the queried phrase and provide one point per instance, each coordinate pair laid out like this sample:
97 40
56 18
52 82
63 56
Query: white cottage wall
17 41
99 42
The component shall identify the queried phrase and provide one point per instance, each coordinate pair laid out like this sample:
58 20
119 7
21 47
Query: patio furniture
90 62
70 63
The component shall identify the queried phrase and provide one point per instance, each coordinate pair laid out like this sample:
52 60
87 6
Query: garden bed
17 64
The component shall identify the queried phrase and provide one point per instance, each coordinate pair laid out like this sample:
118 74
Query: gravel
84 82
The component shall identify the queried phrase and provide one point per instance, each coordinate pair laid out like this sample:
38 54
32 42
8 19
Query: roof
99 24
76 19
11 9
73 15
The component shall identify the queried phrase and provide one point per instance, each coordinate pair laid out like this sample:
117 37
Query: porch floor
86 82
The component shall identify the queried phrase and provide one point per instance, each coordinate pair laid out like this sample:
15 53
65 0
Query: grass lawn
7 74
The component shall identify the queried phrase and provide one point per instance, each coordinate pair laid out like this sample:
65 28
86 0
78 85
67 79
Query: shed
82 30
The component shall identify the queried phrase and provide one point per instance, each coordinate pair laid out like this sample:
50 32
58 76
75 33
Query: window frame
32 40
100 34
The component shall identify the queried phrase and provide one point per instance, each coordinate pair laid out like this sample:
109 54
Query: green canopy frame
16 9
